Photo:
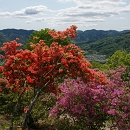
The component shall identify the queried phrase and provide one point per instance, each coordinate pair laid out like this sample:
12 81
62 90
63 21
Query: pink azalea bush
118 95
91 105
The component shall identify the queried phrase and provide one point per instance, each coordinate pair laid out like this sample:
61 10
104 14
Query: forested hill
12 34
94 35
107 46
83 36
92 41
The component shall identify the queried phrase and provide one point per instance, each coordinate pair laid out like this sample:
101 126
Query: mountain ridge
101 42
83 36
93 35
107 46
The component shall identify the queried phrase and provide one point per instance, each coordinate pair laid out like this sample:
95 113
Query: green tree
119 58
48 39
101 66
127 60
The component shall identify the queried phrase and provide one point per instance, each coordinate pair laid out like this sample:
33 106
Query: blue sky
61 14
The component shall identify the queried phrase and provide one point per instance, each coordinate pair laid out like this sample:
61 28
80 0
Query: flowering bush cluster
84 102
69 32
88 97
39 68
44 63
92 105
118 95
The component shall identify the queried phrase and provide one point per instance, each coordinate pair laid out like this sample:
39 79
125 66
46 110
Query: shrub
91 105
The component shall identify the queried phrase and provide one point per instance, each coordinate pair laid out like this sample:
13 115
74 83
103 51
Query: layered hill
107 46
99 42
94 35
12 34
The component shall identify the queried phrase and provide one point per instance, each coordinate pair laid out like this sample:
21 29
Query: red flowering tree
39 68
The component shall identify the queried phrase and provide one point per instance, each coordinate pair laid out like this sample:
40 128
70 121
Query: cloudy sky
60 14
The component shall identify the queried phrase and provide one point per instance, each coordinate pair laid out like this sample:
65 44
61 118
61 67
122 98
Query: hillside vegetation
93 41
12 34
52 86
107 46
88 36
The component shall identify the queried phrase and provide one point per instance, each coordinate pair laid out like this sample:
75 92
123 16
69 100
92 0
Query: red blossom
25 109
32 66
29 79
17 39
1 69
0 89
20 129
60 70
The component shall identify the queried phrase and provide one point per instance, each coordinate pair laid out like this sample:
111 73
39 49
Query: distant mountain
12 34
2 38
83 36
94 35
92 41
107 46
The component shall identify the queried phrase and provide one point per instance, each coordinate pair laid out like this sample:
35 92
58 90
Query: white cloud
64 1
126 28
103 8
23 17
92 10
39 19
92 1
125 10
84 13
35 10
121 18
5 14
23 13
28 22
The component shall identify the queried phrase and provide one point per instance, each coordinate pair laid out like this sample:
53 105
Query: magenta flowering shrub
82 102
92 105
118 95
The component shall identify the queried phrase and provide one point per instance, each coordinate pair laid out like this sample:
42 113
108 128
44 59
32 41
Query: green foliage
101 66
119 58
127 59
39 35
9 100
40 112
42 107
66 123
42 34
